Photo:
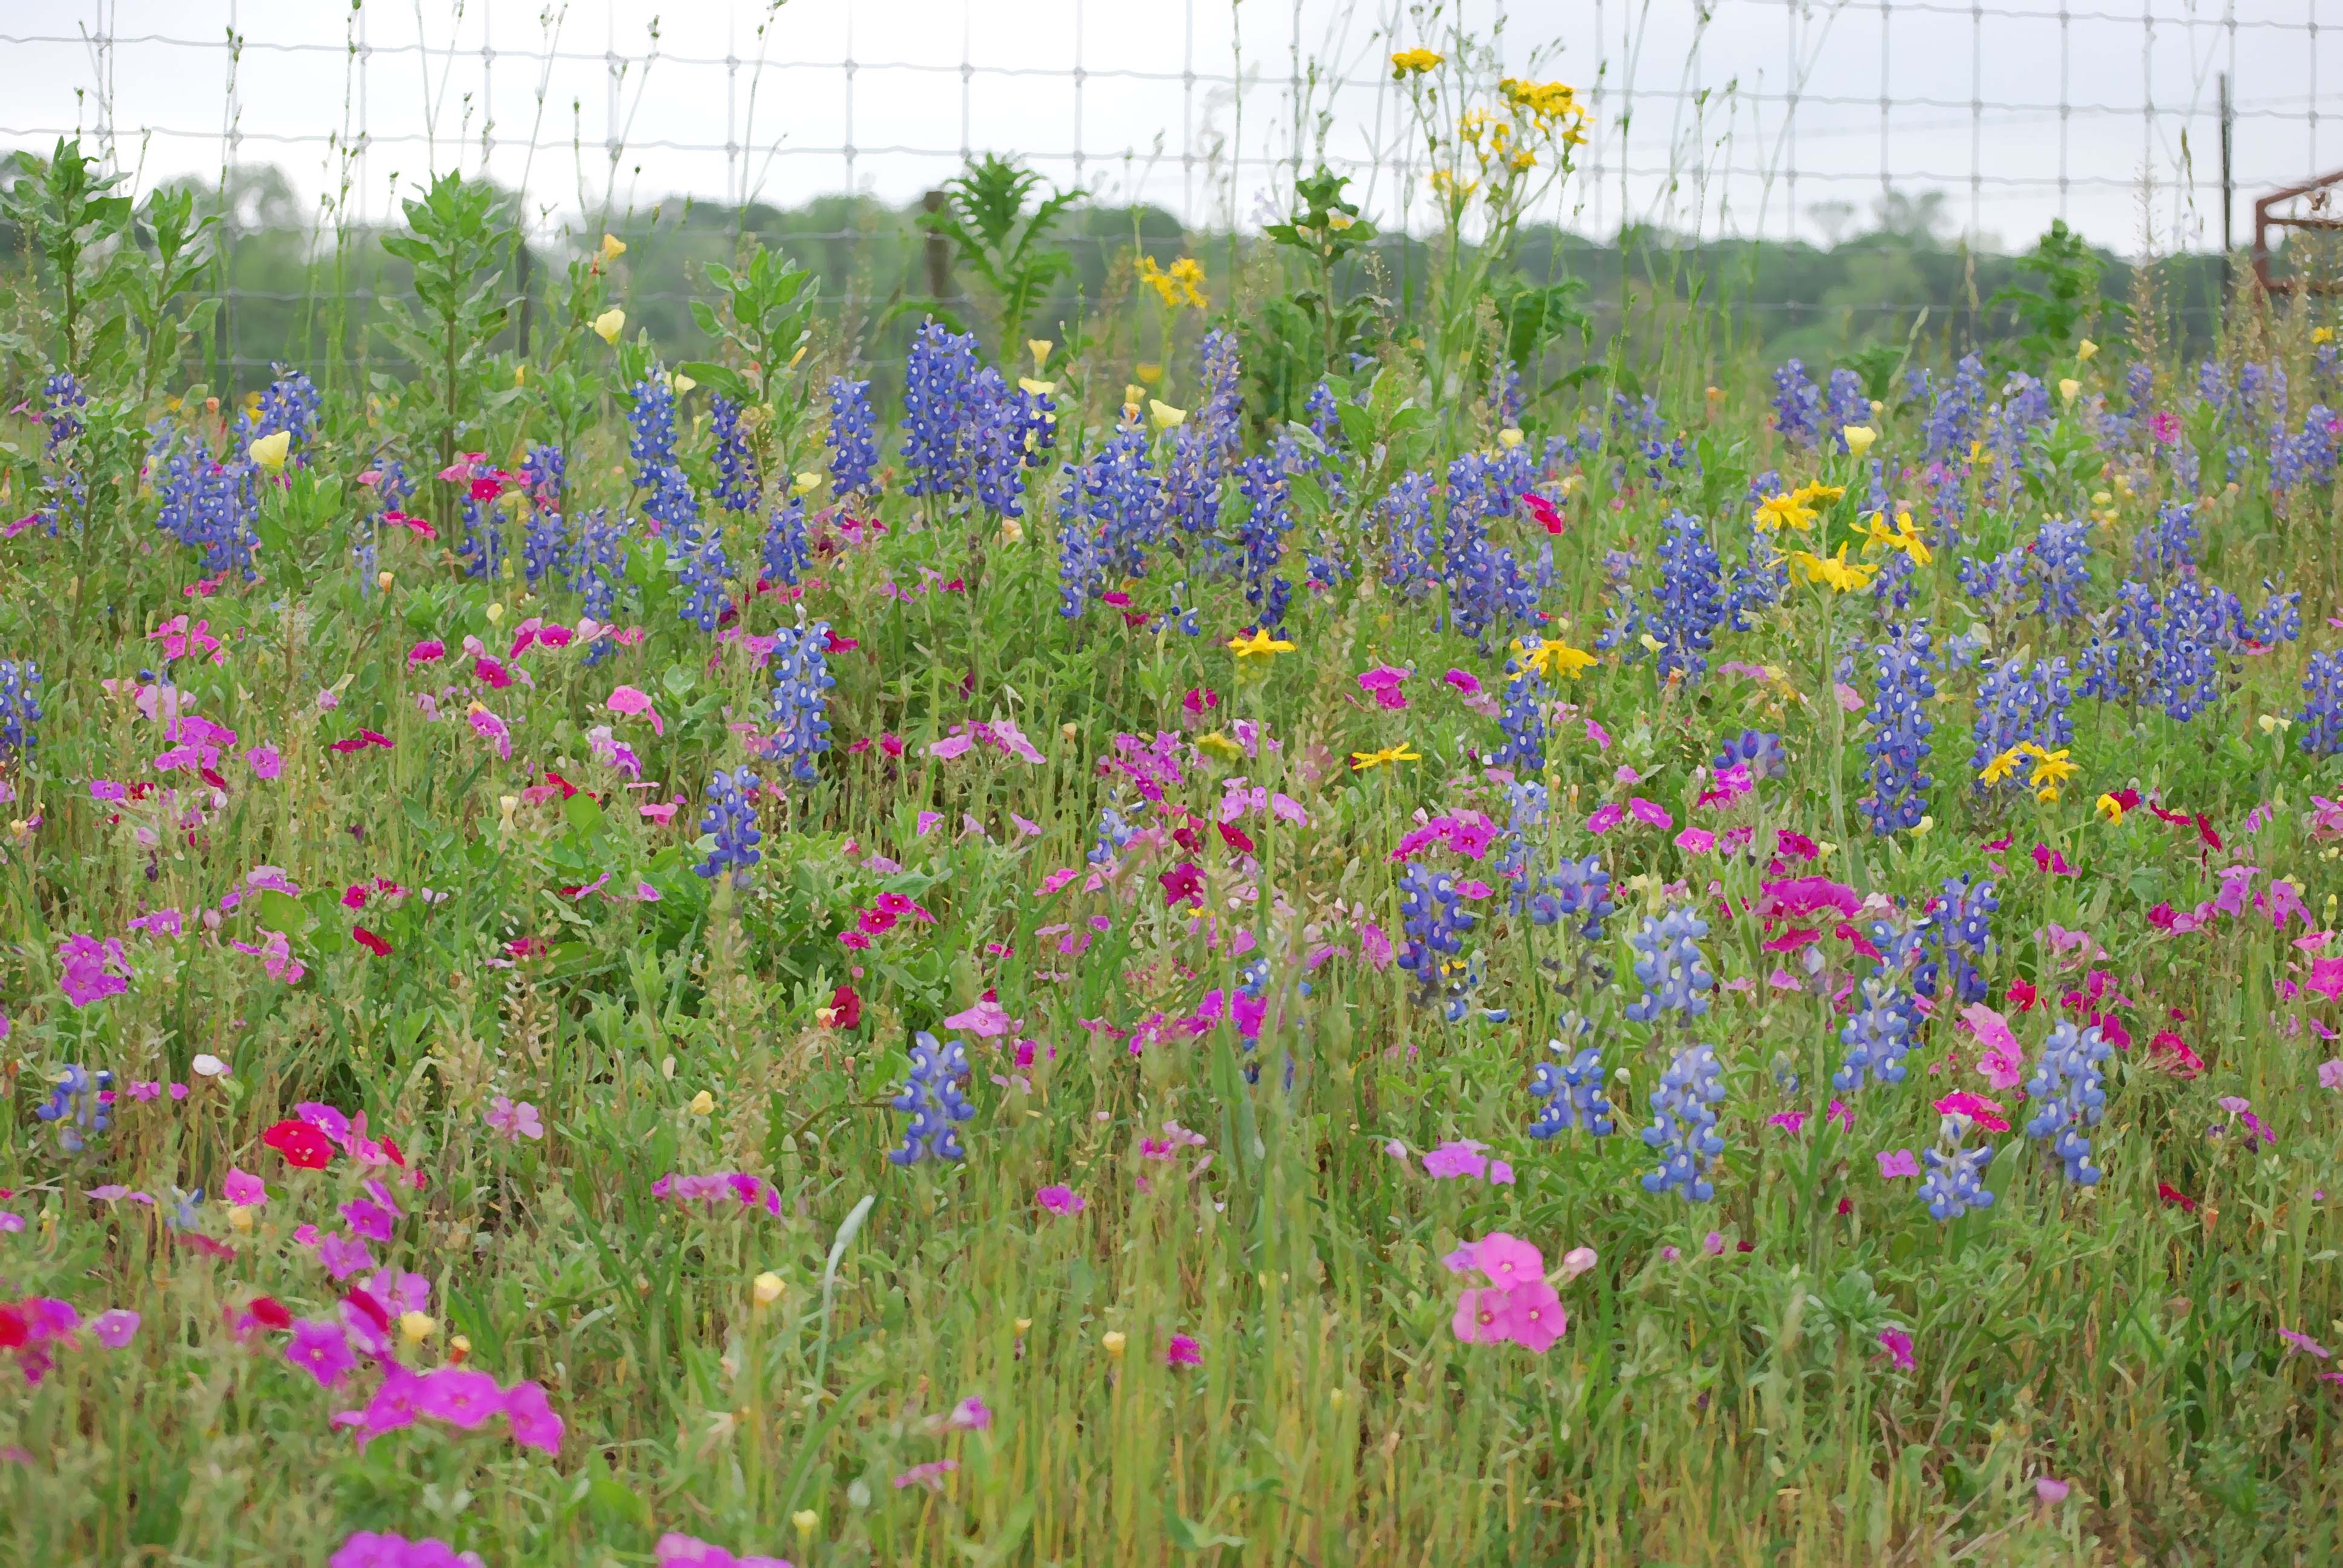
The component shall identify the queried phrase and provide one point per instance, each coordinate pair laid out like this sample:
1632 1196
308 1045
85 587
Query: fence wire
1791 121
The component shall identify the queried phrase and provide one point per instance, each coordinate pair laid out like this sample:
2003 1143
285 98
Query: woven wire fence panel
1776 121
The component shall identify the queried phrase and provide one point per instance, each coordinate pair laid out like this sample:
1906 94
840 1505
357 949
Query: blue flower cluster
1411 542
1690 604
1901 727
1683 1125
737 484
1111 512
1955 1183
801 683
786 553
732 820
1206 447
1674 972
1955 412
853 440
967 433
1877 1036
2169 544
1524 722
1571 1095
1261 536
208 504
20 707
2062 554
291 403
2067 1085
1759 750
1797 405
2019 703
1961 923
933 1099
702 566
544 541
76 1107
1848 404
2321 718
595 566
1433 916
2167 648
62 400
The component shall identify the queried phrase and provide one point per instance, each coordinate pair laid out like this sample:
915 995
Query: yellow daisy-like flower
1362 761
609 325
2052 769
1260 644
1796 508
2111 808
2000 767
270 451
1903 536
1179 286
1552 658
1834 572
1413 62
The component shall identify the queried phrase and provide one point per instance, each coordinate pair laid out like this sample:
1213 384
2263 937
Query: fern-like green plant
1008 248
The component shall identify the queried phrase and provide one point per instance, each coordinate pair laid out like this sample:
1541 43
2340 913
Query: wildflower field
614 961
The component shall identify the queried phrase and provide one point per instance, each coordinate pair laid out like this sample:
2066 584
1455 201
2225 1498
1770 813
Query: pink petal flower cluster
747 1191
676 1551
885 911
1000 735
1466 1157
1520 1305
381 1549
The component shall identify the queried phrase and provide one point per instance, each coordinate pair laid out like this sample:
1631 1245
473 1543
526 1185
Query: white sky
1137 99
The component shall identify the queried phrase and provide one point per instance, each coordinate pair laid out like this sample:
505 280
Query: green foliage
2058 299
984 218
1302 332
766 325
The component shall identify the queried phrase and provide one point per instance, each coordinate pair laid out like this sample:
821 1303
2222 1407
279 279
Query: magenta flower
1383 684
2050 1491
1062 1199
1897 1345
1607 816
2330 1073
2304 1343
1894 1163
266 761
1182 1351
516 1119
1792 1119
460 1398
1464 681
1531 1315
530 1416
970 1415
1507 1259
114 1328
929 1475
319 1348
1650 812
1479 1317
93 970
676 1551
491 729
341 1257
1466 1157
370 1219
372 1549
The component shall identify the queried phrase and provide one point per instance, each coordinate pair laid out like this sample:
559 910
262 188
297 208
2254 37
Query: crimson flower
371 943
303 1146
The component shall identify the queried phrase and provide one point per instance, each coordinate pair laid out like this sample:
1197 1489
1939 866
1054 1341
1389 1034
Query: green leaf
583 813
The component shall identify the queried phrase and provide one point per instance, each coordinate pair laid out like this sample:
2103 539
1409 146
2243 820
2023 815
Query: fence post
939 251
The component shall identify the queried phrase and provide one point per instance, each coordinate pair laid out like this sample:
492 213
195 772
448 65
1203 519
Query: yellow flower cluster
2050 769
1413 62
1550 658
1551 105
1834 572
1796 508
1179 285
1903 536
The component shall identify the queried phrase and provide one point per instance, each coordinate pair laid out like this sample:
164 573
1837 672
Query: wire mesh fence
1795 125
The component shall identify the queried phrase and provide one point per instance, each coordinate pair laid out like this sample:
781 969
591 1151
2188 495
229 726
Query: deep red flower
269 1313
14 1331
2176 1196
1235 837
558 782
303 1146
838 644
1548 515
845 1008
1181 884
372 943
490 673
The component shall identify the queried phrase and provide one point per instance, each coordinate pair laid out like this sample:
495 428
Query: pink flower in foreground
635 703
319 1348
678 1550
1466 1157
372 1549
1894 1163
244 1189
1507 1259
516 1120
970 1415
530 1418
1383 684
1897 1346
1061 1199
1184 1352
1986 1114
1531 1315
2304 1343
2050 1491
114 1328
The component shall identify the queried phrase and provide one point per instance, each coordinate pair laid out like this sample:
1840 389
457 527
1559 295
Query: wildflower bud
1509 438
703 1104
768 1288
1012 532
1859 438
1024 1323
211 405
1068 730
2084 349
457 1349
383 581
806 484
520 374
1165 415
807 1521
2070 389
239 1219
1334 1397
1115 1342
495 613
609 325
416 1327
613 247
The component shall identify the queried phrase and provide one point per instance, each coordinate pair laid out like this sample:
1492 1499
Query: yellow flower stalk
1259 646
1413 62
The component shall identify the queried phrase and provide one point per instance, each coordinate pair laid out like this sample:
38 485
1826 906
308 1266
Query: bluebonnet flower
1797 405
732 820
853 440
1955 1183
20 707
1963 923
2169 544
208 504
801 684
737 484
1675 973
545 540
1570 1093
1434 918
1524 722
1877 1036
697 553
2072 1095
1757 581
482 547
1994 581
62 400
1115 832
2167 649
786 553
706 572
1110 513
1010 431
1261 536
2061 555
1205 446
1955 411
934 1100
1573 889
2306 458
939 377
1505 396
291 403
1759 750
1411 543
1683 1125
2280 617
1848 404
1899 743
1689 606
2020 704
2321 718
75 1107
1325 414
594 566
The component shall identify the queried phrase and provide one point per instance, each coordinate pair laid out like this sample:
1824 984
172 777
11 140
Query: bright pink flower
2002 1062
114 1328
1607 816
1507 1259
1061 1199
1182 1351
1897 1345
529 1417
970 1415
1531 1315
1986 1114
319 1348
460 1398
244 1189
631 702
1895 1162
430 650
1479 1317
1383 684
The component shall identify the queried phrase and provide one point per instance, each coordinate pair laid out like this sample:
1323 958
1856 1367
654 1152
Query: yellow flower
1834 572
807 483
1219 745
416 1327
496 612
2322 335
2070 389
1552 657
1113 1341
767 1289
1903 536
2084 349
2001 766
2111 808
2052 769
1149 374
1039 347
1858 438
1413 62
613 247
271 450
2273 723
1260 644
609 325
1037 387
1165 415
807 1521
520 374
703 1104
1362 761
1012 532
1796 508
1509 438
682 384
1177 284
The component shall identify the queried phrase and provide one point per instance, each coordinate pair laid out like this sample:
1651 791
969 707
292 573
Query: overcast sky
1737 116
